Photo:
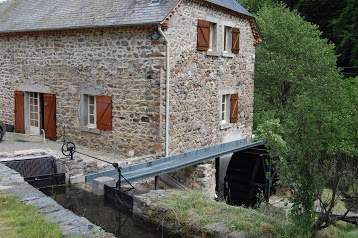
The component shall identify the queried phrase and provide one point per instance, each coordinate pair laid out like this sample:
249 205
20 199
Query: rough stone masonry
123 63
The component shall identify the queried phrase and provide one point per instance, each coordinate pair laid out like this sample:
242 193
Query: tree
338 22
291 59
253 6
309 113
320 12
336 19
345 33
317 147
321 136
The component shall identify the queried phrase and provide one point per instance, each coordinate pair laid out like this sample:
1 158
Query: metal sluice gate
117 196
38 171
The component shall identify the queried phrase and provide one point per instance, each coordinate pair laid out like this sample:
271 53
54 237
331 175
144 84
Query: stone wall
197 83
201 177
121 63
198 79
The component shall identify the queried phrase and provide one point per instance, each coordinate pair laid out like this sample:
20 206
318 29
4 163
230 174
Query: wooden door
50 115
19 112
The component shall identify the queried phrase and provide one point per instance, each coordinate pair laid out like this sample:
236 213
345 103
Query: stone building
155 77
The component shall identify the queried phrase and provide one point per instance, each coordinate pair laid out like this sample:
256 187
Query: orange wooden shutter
50 116
234 108
19 112
104 112
203 34
235 40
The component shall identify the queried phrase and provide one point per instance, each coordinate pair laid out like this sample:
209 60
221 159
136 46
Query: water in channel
94 208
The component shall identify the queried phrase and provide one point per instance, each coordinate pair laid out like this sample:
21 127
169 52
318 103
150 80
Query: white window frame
85 92
89 114
227 39
225 109
227 27
227 92
213 42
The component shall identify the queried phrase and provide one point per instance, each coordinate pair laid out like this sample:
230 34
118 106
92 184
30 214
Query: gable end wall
197 83
198 80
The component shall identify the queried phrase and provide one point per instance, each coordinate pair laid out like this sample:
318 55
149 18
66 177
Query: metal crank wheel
68 148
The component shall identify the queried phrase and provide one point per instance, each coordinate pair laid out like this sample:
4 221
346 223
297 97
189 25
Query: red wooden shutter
235 40
234 108
50 116
19 112
203 34
104 112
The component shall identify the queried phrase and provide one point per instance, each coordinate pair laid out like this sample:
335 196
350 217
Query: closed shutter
235 40
203 34
19 112
104 112
234 108
50 116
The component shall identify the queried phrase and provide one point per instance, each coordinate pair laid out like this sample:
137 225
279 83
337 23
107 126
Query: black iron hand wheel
68 148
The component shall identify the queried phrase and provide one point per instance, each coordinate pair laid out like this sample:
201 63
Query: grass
196 210
341 230
193 209
18 220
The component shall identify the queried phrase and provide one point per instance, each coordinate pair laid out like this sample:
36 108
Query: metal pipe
43 133
167 90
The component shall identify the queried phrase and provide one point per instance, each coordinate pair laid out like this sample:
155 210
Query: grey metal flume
175 162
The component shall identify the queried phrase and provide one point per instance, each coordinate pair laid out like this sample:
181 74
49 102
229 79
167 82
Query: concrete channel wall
12 183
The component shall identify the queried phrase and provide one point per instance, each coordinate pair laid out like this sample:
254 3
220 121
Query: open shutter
203 34
50 116
234 108
104 112
19 112
235 40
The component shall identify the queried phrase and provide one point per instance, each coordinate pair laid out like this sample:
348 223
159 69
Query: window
208 38
227 39
229 108
225 108
213 44
231 41
91 111
96 112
